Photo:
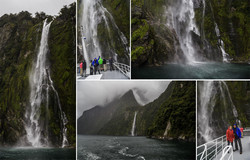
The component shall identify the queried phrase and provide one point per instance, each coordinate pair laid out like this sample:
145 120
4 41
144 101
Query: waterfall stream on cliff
221 44
212 124
94 17
181 18
40 85
133 126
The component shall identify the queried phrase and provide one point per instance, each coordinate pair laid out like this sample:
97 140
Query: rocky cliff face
153 43
20 36
167 111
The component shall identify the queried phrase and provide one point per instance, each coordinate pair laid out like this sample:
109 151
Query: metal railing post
206 151
216 148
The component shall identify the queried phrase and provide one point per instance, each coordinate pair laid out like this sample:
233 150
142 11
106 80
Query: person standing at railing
230 136
81 69
100 61
91 68
241 129
111 65
96 65
105 65
84 68
237 135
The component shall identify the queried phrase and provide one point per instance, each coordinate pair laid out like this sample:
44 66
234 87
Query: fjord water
137 148
193 71
37 153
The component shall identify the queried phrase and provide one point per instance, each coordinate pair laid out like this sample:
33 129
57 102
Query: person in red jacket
81 69
230 135
241 129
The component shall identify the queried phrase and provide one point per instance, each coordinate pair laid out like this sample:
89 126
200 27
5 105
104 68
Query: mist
91 94
50 7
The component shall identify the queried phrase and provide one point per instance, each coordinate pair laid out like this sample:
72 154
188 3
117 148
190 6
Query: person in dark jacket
84 67
91 68
111 61
230 136
104 65
237 135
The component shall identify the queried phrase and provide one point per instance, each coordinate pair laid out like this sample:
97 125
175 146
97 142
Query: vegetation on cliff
19 41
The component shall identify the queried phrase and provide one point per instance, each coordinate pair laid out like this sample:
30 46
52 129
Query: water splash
95 14
133 126
40 84
181 18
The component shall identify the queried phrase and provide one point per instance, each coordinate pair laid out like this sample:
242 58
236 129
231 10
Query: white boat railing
226 150
212 149
123 68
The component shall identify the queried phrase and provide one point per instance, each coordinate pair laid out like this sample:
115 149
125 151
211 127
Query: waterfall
94 15
216 110
221 44
133 126
203 19
40 84
181 18
207 103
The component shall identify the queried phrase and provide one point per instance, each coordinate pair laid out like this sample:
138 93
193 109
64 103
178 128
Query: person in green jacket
100 61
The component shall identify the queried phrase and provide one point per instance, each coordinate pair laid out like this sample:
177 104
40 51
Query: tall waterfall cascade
133 126
210 93
93 15
181 17
41 84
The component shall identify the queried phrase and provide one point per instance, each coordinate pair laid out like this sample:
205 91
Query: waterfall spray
181 18
40 84
133 126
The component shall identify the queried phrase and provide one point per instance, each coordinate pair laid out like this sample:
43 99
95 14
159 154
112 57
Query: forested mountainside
219 30
20 37
170 116
106 28
221 104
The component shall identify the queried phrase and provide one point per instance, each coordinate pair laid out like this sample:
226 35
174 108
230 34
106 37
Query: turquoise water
132 148
37 154
194 71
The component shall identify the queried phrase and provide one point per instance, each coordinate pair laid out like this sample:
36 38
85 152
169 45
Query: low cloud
90 94
50 7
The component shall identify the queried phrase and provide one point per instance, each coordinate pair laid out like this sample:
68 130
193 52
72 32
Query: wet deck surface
104 75
245 150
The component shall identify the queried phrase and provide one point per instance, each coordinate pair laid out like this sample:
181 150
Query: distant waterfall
221 44
93 17
215 110
181 18
133 126
40 85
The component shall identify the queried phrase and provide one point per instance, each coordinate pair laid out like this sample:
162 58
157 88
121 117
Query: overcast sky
50 7
90 94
